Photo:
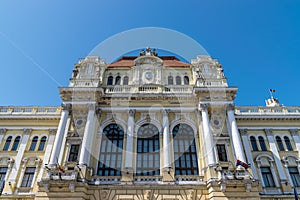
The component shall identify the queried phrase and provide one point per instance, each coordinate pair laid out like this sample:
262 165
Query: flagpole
270 90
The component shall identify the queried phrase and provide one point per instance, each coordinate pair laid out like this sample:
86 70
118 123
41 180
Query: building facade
149 127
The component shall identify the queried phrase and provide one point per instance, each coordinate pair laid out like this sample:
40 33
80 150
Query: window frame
16 143
110 80
279 143
295 176
288 143
262 143
178 80
253 143
28 177
33 143
267 176
7 143
223 154
43 142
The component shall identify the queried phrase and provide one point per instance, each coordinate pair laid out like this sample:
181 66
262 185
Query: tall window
16 143
3 171
33 143
147 162
178 80
28 177
7 143
262 143
279 143
42 143
125 80
184 150
118 80
267 177
288 143
221 149
294 173
186 80
253 143
170 80
110 80
73 155
110 161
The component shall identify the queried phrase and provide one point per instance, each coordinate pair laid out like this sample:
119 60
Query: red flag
241 163
60 168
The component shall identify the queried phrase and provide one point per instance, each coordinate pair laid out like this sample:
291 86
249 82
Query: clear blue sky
257 42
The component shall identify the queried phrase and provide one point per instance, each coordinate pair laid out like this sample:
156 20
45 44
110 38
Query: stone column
22 173
50 141
248 152
59 136
166 139
21 150
129 142
208 137
63 143
294 133
87 141
235 135
276 156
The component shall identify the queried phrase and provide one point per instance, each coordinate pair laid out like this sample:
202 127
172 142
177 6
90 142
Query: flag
241 163
271 90
295 193
60 168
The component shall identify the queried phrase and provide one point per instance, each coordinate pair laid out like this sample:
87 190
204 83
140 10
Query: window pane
110 80
16 144
279 143
294 173
42 144
148 150
184 150
7 143
111 151
267 177
74 150
28 177
253 143
33 143
262 143
288 143
125 80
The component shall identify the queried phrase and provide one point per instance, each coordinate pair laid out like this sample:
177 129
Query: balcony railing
30 110
117 89
263 110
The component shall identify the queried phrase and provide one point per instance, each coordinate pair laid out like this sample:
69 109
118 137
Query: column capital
268 132
294 132
91 106
3 130
52 131
131 112
165 112
230 107
27 131
203 106
243 131
98 111
66 106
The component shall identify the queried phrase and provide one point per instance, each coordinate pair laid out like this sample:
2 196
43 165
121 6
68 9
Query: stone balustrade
263 110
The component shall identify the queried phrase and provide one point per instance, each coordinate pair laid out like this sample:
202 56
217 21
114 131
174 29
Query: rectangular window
28 177
294 173
3 171
267 177
73 155
222 152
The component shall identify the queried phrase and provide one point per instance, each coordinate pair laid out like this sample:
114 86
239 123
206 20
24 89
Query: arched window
267 177
110 80
178 80
7 143
253 143
110 160
170 80
184 150
279 143
288 143
125 80
16 143
33 143
118 80
42 143
147 162
186 80
262 143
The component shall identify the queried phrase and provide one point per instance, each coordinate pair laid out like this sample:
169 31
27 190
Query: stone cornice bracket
230 106
294 132
203 106
27 131
268 132
3 130
165 111
131 112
